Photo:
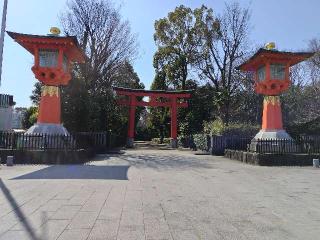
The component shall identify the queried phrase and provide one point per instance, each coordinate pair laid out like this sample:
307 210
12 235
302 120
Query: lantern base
272 134
286 145
48 128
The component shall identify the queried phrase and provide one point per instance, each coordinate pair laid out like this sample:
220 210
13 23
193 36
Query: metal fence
73 141
303 145
220 143
300 144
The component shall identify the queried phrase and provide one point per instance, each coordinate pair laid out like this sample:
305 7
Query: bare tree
314 62
301 101
105 38
108 43
224 46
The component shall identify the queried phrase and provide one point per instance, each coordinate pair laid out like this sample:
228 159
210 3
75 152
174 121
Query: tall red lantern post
53 58
271 75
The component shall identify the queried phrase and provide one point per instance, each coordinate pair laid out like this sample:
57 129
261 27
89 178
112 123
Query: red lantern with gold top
53 58
271 74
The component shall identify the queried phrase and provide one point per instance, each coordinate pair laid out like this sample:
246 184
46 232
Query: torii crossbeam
173 100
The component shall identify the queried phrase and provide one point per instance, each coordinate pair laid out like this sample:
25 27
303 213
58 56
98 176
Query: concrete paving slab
104 230
78 234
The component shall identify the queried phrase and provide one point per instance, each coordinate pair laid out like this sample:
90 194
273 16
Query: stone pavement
159 195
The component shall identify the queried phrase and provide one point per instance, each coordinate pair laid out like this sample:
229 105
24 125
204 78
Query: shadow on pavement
22 218
78 172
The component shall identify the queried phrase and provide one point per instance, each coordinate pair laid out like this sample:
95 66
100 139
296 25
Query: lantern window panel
277 71
261 73
48 58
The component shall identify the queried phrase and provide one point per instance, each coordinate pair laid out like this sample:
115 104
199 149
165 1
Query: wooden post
174 142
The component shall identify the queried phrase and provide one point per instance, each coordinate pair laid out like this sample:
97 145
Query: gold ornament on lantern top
55 31
270 46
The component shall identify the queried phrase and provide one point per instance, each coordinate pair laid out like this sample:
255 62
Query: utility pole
3 28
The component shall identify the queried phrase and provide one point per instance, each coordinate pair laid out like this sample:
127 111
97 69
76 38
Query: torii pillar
132 116
174 128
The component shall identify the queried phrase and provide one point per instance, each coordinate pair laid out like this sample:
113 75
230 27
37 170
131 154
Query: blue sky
290 23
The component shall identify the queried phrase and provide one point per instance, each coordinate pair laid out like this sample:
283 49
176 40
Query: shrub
143 134
308 128
186 142
30 117
218 128
215 127
201 141
158 140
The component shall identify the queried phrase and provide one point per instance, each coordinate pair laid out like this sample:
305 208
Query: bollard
9 161
316 163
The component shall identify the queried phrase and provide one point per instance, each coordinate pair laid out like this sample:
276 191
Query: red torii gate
174 103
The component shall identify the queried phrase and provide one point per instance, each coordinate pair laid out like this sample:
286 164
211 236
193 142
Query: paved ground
159 195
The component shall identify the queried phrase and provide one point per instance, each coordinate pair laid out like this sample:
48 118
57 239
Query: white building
6 112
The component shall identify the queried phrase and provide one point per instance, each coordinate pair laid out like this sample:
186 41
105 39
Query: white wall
6 118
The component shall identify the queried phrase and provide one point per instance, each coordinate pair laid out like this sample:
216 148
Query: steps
150 145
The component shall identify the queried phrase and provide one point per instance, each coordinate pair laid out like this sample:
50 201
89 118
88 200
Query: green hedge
218 128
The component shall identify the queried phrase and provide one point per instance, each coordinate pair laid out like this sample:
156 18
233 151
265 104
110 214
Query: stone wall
268 159
48 156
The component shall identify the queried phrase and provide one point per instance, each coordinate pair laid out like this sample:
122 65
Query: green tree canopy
178 39
30 117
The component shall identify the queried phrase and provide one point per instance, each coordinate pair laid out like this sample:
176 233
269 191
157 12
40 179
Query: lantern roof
30 42
263 55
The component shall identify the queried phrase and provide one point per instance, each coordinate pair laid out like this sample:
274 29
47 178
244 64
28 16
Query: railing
217 144
73 141
220 143
303 145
